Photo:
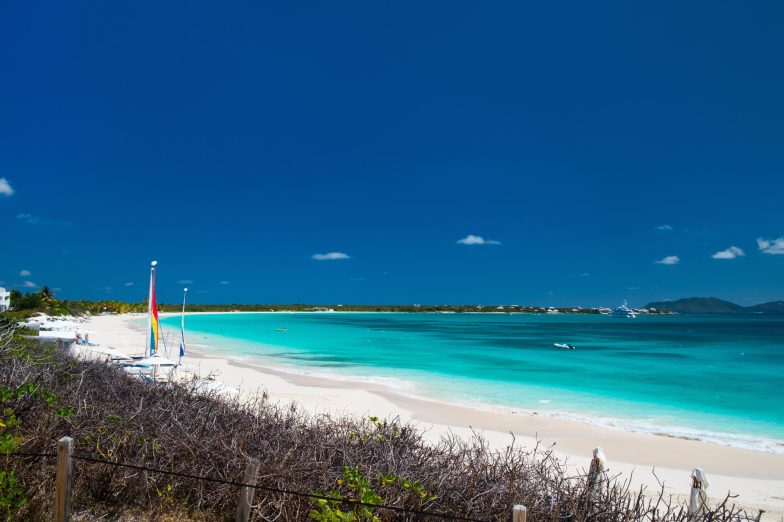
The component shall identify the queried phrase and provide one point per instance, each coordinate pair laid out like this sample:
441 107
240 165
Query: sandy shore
757 477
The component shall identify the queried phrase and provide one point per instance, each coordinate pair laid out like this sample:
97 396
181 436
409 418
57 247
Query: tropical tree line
45 301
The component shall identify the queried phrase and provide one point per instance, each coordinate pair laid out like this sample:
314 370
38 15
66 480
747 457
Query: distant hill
713 305
774 307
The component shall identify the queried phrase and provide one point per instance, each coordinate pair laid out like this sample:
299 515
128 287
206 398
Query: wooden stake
62 498
519 513
246 493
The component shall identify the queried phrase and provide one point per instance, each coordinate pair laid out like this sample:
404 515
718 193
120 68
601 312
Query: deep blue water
713 377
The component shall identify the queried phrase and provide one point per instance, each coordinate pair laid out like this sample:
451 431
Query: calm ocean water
717 378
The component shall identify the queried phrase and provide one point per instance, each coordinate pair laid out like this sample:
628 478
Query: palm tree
46 294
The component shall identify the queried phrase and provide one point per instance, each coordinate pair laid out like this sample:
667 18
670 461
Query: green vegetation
12 497
44 300
357 491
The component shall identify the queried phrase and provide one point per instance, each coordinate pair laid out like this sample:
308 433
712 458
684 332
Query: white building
5 299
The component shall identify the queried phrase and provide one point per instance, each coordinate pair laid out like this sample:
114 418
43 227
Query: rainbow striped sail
153 313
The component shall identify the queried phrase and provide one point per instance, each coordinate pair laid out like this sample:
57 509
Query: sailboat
153 356
182 328
153 327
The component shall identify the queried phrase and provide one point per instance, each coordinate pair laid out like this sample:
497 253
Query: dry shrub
190 429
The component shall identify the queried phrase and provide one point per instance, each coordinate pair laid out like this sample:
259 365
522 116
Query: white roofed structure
5 299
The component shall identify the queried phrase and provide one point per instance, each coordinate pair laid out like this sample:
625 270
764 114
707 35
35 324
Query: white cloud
664 227
29 219
5 188
185 282
668 260
731 253
129 283
771 246
471 239
29 284
25 273
330 256
224 282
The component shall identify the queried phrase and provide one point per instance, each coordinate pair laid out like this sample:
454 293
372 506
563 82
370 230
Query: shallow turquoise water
714 377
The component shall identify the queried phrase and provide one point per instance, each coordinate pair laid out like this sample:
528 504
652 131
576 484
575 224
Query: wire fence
270 489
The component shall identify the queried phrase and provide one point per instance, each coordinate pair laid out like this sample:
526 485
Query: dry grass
188 429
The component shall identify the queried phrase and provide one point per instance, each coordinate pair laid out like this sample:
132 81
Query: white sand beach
757 477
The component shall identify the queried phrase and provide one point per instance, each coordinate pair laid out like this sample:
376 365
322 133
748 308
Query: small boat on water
281 330
564 346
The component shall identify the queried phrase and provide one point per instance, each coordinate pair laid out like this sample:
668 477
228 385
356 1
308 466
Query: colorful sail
153 309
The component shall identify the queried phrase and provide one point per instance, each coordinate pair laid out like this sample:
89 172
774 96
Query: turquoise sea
717 378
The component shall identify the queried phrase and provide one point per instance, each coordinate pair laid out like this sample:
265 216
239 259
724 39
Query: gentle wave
303 362
412 390
736 440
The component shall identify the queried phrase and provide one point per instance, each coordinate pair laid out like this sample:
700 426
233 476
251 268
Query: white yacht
624 312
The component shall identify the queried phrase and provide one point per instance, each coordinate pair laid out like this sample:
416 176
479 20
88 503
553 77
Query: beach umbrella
597 475
57 334
105 350
155 360
698 500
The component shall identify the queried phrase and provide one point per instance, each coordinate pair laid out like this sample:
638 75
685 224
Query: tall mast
182 327
149 312
152 319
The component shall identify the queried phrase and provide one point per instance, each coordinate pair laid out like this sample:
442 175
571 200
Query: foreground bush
188 429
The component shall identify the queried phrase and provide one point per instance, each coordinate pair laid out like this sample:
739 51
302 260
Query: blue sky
582 141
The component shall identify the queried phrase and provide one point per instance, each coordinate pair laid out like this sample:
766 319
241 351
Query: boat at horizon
624 312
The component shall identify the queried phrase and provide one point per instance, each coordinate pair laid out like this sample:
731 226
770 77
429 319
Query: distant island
713 305
25 305
44 300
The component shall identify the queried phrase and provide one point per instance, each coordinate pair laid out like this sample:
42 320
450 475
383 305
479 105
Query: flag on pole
153 315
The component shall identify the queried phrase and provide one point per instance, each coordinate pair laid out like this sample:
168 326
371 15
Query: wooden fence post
246 493
519 513
62 498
